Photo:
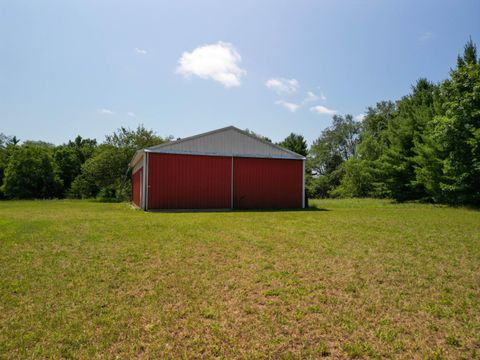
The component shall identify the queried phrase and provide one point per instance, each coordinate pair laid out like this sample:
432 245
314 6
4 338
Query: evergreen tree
397 164
295 143
448 163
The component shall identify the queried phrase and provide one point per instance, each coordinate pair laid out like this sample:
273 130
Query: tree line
424 146
81 168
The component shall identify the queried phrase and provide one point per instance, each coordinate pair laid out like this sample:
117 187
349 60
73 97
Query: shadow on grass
182 211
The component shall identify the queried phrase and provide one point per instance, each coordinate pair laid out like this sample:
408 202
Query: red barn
222 169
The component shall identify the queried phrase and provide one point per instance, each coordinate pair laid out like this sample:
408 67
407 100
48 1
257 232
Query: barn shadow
183 211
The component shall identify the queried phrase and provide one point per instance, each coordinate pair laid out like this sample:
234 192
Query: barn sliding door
267 183
189 181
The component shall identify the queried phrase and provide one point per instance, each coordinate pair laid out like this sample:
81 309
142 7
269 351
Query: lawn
346 279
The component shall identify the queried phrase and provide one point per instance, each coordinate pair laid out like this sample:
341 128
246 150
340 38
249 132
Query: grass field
350 278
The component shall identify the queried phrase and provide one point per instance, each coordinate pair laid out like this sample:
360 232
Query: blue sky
184 67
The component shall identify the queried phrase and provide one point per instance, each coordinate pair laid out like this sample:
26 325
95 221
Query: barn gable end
228 141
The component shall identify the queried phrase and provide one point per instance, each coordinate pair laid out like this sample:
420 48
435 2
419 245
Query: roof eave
206 153
136 158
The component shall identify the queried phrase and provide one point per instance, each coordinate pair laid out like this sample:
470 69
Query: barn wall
189 181
137 187
267 183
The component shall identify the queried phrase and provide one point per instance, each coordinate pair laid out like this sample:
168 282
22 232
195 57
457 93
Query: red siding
189 181
267 183
137 186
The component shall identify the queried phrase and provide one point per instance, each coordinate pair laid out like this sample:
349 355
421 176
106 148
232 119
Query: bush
108 194
357 181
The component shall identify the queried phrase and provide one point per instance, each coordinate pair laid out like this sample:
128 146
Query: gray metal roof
228 141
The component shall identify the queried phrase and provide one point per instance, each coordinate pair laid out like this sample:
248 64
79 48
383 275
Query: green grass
363 278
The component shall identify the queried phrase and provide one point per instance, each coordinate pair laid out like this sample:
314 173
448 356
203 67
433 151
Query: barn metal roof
228 141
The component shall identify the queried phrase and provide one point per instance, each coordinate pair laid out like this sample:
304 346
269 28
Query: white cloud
359 117
310 97
282 85
322 110
426 36
140 51
131 114
219 62
105 111
288 105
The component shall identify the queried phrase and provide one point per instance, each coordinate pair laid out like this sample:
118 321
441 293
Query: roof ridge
178 141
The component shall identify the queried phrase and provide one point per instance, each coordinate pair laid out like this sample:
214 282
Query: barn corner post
145 181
